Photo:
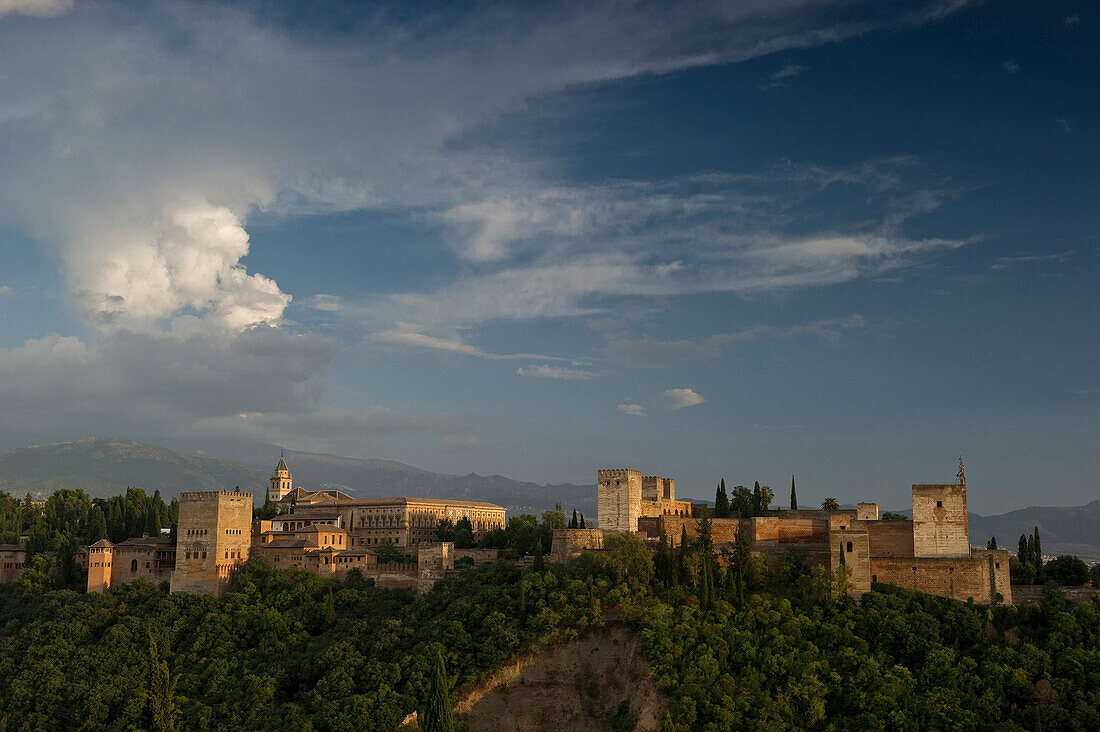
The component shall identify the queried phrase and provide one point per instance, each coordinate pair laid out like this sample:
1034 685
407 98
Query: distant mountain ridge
103 467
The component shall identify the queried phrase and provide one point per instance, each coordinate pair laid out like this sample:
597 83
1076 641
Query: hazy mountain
104 467
1064 530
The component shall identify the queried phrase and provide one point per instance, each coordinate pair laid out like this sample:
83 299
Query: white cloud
634 410
327 303
409 336
6 291
1006 262
786 72
680 398
40 8
140 144
554 372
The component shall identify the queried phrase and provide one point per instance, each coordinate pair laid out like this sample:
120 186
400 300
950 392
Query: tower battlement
213 495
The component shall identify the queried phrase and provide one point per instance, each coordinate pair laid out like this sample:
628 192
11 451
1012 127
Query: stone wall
655 488
867 511
569 543
980 577
890 538
618 499
940 523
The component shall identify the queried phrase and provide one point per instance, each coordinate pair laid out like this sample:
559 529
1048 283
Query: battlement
617 472
214 495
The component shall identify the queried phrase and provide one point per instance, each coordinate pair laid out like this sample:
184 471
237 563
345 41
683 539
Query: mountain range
103 467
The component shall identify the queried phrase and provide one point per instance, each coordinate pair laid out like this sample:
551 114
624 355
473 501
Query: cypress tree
329 609
162 707
582 522
437 707
992 543
1031 553
573 523
1037 552
756 511
1022 551
97 524
843 561
794 498
721 501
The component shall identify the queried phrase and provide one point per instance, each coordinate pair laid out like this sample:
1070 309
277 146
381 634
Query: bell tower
281 481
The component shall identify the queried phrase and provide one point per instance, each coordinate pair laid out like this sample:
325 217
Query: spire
281 465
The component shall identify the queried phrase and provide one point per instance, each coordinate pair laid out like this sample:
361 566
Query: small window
849 546
874 578
939 504
997 565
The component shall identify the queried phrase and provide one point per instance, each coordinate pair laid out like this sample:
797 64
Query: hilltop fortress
930 552
326 532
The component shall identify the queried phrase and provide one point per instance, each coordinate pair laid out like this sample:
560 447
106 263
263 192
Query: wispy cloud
652 352
680 398
1011 66
411 338
780 76
1071 20
1006 262
40 8
555 372
634 410
6 291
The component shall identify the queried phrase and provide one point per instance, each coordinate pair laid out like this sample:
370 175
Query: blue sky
845 240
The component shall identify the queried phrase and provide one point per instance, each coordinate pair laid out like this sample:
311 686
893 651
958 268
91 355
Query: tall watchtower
99 565
941 526
618 499
212 540
281 481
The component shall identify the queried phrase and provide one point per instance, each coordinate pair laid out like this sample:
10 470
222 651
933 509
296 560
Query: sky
848 240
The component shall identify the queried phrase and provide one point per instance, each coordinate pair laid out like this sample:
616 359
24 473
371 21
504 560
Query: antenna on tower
962 472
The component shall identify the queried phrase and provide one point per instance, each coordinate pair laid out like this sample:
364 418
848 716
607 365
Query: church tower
281 481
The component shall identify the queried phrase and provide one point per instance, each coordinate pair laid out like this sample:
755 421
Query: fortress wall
867 511
960 578
569 543
890 538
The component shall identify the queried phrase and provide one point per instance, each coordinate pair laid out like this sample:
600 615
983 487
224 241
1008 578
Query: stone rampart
569 543
890 538
981 576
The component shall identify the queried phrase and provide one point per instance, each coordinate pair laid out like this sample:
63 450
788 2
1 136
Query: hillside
103 467
1064 530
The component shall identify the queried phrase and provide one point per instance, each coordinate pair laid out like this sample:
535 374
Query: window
849 546
874 578
997 565
939 504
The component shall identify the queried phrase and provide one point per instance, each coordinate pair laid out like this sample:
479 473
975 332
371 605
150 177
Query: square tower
212 540
656 488
618 499
941 527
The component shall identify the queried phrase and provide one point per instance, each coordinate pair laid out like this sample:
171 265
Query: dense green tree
445 531
554 518
891 516
437 705
741 502
1067 570
267 511
1023 552
97 524
766 498
464 533
992 543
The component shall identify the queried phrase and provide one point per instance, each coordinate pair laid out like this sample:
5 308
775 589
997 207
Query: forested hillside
737 648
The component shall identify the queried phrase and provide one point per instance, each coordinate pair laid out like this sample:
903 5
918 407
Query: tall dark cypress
573 523
1037 552
721 501
1022 552
437 707
794 498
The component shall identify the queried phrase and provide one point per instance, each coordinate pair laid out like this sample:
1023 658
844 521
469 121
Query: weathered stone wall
890 538
650 509
852 545
213 539
393 576
480 556
569 543
618 499
980 577
940 523
1027 594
